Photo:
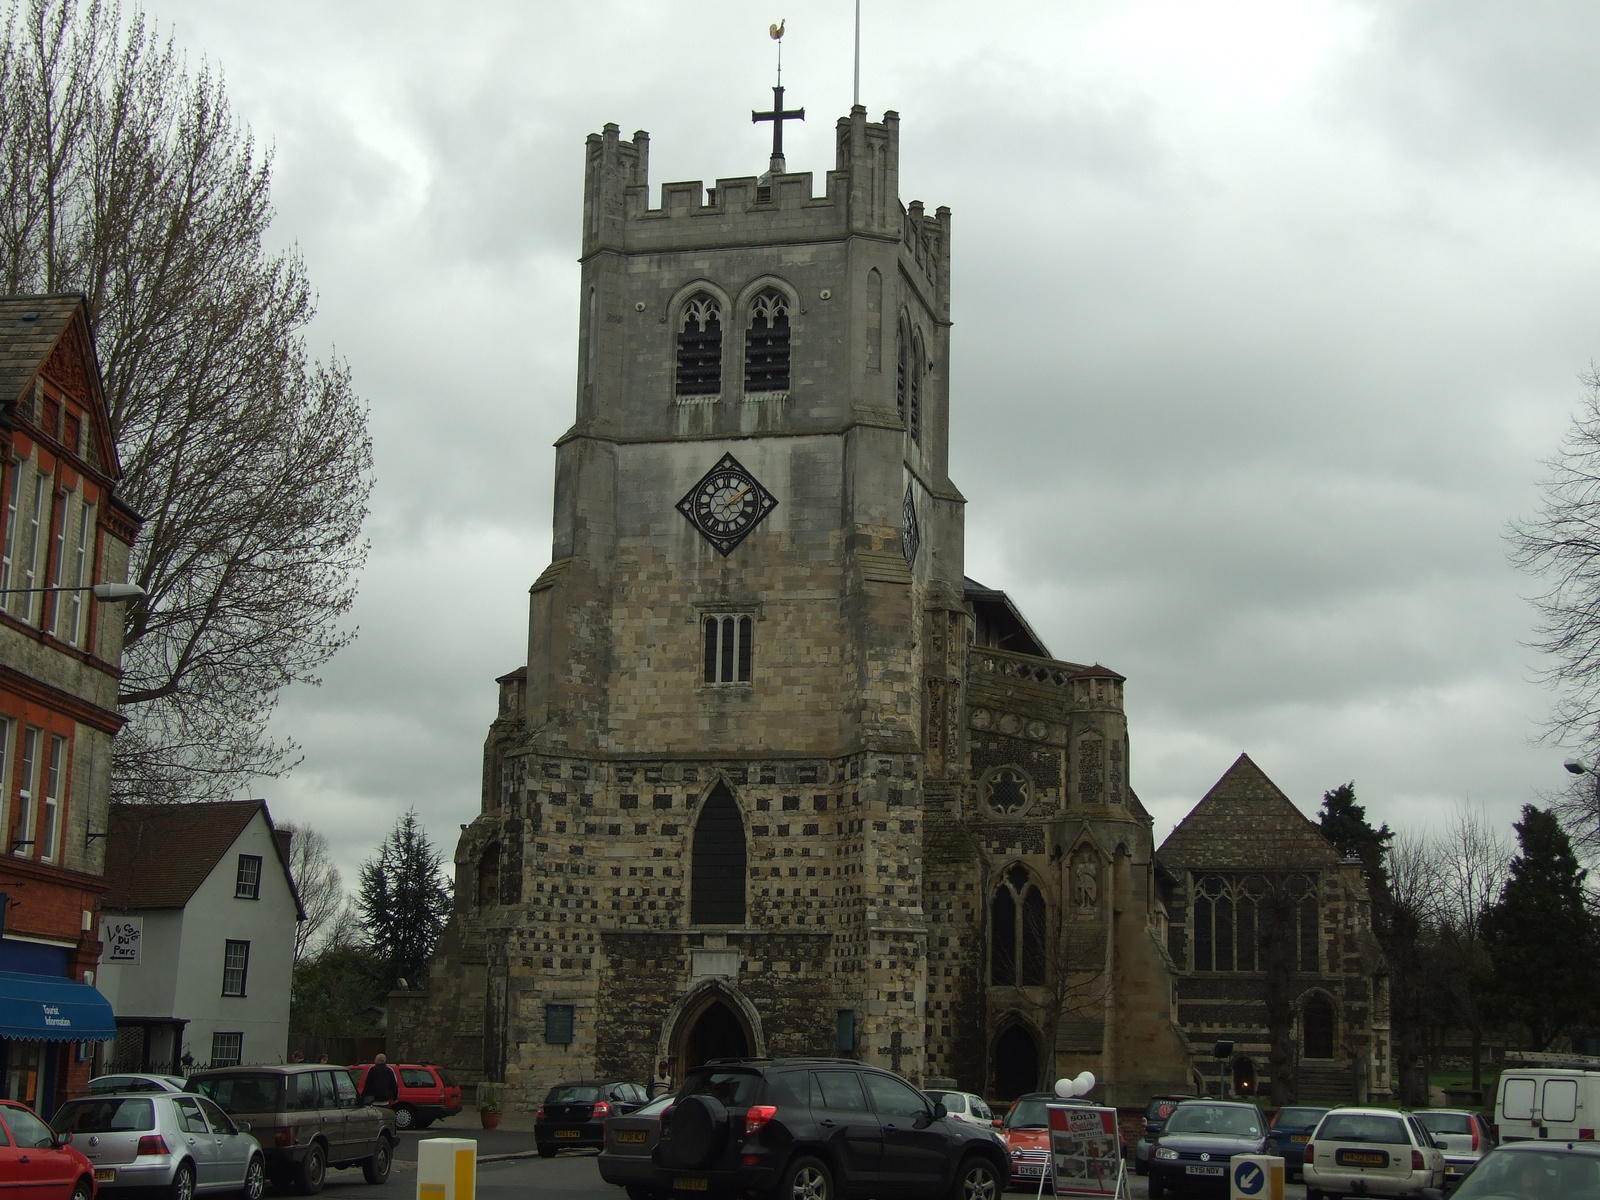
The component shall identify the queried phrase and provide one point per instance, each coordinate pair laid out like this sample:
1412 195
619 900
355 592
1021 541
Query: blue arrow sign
1249 1178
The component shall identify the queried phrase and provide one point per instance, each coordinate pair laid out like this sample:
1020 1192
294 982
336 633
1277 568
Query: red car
427 1093
38 1160
1026 1129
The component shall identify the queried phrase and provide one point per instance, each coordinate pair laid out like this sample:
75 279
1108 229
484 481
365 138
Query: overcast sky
1265 315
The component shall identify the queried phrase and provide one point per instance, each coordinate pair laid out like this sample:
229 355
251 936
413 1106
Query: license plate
1362 1158
104 1174
1300 1137
634 1137
569 1133
1218 1170
1030 1168
692 1183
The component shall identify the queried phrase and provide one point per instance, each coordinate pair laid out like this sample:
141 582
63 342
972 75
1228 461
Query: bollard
447 1169
1255 1177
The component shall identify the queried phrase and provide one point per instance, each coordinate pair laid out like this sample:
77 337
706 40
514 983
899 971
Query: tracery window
1234 919
919 368
728 648
1018 923
1006 791
700 347
902 367
766 344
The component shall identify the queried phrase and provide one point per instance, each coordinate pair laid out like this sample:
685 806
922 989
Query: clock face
726 504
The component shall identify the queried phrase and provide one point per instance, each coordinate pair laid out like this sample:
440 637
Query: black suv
820 1128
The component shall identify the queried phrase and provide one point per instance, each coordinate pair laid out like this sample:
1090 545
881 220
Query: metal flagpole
856 103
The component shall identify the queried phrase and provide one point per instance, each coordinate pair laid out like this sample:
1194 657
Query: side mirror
1438 1145
998 1122
242 1126
939 1110
64 1139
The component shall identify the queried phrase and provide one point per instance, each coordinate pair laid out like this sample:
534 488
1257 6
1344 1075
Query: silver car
116 1085
182 1144
1462 1134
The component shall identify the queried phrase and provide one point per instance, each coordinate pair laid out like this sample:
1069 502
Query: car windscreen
1532 1175
1159 1110
1363 1127
1222 1120
569 1093
235 1094
445 1077
736 1089
1028 1114
953 1102
107 1084
1302 1117
1444 1122
116 1115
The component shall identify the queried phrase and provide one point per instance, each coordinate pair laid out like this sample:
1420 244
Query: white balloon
1085 1083
1064 1088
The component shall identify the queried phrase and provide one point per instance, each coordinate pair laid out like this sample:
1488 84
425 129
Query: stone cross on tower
778 116
897 1051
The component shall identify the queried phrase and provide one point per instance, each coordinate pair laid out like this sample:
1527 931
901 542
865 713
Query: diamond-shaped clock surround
726 540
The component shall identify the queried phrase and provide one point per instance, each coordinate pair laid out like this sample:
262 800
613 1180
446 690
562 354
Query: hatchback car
1535 1171
630 1141
1290 1130
308 1117
1155 1119
820 1128
182 1144
1191 1156
53 1167
1373 1152
574 1114
1026 1129
122 1085
427 1093
1463 1135
964 1106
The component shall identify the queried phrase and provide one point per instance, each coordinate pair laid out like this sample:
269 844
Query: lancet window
766 344
700 347
718 869
1018 924
1237 918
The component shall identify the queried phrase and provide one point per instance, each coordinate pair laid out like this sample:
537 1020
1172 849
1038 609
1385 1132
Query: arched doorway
1016 1063
716 1033
1316 1028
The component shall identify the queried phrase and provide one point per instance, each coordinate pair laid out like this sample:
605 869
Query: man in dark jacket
381 1086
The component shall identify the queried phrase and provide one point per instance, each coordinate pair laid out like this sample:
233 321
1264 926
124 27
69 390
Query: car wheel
1157 1188
405 1117
182 1187
638 1191
1140 1167
425 1124
546 1150
313 1170
376 1168
255 1180
83 1190
806 1178
976 1179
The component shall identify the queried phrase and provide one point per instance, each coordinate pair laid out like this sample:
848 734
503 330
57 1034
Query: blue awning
45 1008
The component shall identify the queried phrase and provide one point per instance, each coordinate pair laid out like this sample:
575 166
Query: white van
1560 1103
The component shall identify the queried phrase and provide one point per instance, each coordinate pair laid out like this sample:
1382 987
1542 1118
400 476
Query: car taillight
1309 1151
1474 1133
758 1116
153 1143
1416 1160
1584 1135
539 1116
285 1137
601 1109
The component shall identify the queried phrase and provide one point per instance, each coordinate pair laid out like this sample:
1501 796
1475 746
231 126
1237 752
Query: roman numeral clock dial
726 504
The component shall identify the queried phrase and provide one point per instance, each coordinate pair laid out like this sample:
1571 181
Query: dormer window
766 344
700 347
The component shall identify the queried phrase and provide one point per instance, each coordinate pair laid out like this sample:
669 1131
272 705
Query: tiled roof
1246 823
25 342
158 855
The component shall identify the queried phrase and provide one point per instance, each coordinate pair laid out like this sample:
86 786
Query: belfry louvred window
766 344
700 347
728 648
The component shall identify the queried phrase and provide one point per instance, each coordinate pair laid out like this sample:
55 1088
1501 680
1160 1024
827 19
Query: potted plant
488 1107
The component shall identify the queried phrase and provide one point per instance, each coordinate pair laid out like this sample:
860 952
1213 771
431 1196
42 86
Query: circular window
1006 791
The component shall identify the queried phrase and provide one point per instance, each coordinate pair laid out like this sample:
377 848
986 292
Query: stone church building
777 777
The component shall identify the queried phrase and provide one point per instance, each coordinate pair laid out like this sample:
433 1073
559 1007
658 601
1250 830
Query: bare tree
1472 863
127 178
320 886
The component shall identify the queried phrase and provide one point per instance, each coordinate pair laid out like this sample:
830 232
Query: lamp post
110 593
1583 768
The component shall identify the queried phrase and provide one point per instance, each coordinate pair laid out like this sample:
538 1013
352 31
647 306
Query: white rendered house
198 928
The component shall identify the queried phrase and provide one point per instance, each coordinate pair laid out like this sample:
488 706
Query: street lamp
1583 768
111 593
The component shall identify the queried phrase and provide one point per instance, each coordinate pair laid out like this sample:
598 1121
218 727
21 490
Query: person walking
381 1086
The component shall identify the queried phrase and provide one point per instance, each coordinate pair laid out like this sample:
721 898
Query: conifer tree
404 901
1541 936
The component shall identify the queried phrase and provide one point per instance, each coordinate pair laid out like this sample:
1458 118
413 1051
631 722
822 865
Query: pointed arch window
489 876
700 347
918 365
718 870
1018 931
766 344
902 367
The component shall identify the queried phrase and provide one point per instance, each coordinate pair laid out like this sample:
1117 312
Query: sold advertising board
1085 1151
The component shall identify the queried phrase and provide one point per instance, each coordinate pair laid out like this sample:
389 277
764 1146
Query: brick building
1243 850
776 777
62 531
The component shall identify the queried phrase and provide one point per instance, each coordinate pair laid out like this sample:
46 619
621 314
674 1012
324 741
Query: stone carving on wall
1086 881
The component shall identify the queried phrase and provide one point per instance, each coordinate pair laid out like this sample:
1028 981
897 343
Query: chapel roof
158 855
25 343
1246 823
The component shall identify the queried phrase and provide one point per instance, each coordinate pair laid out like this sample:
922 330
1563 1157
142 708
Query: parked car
1155 1120
1463 1135
307 1117
964 1106
1290 1130
574 1114
1371 1151
1535 1171
820 1128
630 1139
54 1168
1191 1156
427 1093
1026 1129
182 1144
108 1085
